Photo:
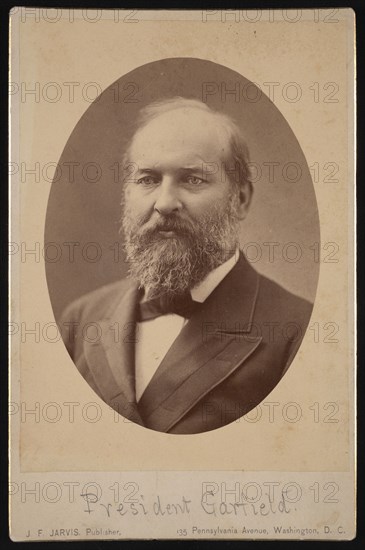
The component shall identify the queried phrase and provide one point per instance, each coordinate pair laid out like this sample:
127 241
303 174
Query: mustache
181 226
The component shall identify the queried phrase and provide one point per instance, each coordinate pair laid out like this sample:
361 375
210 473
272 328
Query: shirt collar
201 291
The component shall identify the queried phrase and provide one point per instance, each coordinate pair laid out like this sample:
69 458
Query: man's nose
168 199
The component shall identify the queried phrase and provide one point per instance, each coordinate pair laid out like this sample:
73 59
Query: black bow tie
182 305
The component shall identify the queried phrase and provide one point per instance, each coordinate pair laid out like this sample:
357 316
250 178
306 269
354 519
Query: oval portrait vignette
181 245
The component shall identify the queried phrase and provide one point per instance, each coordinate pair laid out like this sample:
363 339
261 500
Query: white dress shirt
155 336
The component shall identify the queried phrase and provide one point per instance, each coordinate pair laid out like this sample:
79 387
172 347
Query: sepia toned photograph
194 329
182 239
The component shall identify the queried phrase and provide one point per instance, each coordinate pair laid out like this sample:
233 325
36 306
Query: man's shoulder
95 304
280 302
272 300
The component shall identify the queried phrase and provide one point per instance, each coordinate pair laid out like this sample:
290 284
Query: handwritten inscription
182 506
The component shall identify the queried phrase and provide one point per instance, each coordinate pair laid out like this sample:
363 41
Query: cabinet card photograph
182 274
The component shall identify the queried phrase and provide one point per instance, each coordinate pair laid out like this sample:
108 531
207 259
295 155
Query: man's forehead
191 134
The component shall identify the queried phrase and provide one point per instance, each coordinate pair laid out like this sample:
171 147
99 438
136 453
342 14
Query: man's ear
245 196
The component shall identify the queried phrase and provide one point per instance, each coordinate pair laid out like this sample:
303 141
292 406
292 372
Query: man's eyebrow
148 170
192 168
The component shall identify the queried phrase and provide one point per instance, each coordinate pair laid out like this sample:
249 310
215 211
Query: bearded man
194 338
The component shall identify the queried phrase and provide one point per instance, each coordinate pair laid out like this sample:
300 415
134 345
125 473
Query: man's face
181 210
179 157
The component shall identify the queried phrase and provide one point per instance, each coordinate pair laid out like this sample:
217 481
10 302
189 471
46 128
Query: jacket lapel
111 358
210 347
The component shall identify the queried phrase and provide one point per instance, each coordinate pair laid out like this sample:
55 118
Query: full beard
173 265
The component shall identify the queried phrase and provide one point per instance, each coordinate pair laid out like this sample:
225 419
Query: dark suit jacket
228 357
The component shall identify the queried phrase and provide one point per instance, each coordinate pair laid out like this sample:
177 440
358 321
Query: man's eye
194 180
147 180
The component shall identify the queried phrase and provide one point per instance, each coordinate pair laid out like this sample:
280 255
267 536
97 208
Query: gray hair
239 154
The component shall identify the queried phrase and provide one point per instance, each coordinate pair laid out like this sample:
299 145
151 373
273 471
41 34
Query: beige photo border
314 51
